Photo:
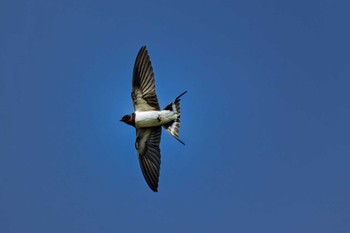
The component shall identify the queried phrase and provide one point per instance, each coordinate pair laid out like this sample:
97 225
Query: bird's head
128 119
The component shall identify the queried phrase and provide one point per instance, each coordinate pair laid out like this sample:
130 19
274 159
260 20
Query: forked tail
173 126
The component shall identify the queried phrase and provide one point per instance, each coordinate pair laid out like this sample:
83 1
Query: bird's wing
147 146
143 89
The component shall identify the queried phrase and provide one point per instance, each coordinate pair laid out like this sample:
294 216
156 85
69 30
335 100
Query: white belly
153 118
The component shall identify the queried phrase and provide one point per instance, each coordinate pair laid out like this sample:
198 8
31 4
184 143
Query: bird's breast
153 118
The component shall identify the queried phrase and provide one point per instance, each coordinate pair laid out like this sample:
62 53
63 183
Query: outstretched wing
147 146
143 89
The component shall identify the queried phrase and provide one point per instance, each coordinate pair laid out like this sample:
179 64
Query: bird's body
154 118
148 118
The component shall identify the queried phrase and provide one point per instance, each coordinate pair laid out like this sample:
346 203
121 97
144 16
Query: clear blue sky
265 120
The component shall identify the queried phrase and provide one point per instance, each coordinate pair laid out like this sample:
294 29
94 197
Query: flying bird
148 118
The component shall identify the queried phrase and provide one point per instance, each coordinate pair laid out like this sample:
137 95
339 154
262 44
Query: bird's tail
173 126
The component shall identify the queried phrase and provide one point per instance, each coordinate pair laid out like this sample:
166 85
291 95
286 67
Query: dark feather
147 145
143 88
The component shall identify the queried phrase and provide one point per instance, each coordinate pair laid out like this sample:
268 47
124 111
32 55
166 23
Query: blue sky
265 119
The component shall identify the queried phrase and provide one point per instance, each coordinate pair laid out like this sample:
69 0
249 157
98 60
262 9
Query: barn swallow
148 118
